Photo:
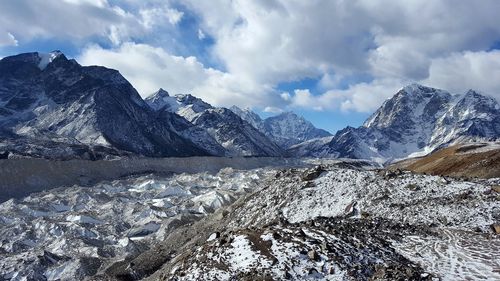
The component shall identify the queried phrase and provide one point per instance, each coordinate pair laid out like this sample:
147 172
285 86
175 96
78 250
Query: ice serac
219 130
53 107
285 129
414 122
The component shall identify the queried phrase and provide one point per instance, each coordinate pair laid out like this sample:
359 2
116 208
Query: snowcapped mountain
251 117
288 129
414 122
53 107
285 129
223 127
187 106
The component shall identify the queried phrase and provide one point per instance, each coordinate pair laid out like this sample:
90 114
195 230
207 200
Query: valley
99 183
340 220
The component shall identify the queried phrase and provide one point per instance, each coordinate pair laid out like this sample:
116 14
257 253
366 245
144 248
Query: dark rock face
417 119
63 103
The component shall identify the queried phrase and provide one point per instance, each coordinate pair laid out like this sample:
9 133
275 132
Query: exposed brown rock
496 228
314 174
457 161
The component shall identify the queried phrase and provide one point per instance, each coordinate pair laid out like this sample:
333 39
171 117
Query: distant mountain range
285 129
52 107
228 134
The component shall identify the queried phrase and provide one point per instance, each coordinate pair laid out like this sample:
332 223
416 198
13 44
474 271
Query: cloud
97 3
158 16
394 42
83 20
456 73
285 96
467 70
66 19
272 109
7 39
362 97
258 45
150 68
201 34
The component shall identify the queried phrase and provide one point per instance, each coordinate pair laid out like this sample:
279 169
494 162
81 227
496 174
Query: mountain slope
285 129
463 160
251 117
416 121
46 98
227 130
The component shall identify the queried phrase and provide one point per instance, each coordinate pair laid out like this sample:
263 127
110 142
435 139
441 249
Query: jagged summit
248 115
415 121
53 107
161 93
476 99
47 58
286 128
224 128
41 60
186 105
412 104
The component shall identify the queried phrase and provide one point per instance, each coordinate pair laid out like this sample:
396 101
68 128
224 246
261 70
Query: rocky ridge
414 122
51 106
231 135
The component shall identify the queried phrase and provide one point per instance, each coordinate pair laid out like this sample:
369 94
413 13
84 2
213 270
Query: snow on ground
241 256
456 215
333 222
68 233
409 198
455 254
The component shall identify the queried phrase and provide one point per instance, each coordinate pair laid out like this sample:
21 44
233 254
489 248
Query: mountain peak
412 104
237 109
47 58
472 93
53 103
415 89
188 99
41 60
473 99
290 114
412 87
414 122
161 93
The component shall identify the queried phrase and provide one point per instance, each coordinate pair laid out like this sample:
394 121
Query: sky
332 61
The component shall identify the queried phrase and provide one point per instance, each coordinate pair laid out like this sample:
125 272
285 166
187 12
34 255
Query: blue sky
332 61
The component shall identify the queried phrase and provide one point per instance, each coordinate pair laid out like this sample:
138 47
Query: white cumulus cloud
360 51
150 68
